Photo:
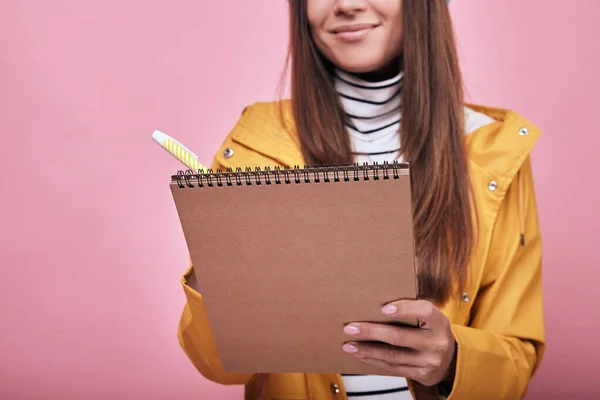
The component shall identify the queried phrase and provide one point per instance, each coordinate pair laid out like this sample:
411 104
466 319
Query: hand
425 355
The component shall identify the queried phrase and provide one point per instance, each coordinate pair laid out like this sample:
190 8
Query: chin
361 66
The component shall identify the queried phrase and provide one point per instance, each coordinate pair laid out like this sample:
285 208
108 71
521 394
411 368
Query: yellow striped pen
178 151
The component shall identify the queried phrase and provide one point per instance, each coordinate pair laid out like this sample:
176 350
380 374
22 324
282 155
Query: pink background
91 248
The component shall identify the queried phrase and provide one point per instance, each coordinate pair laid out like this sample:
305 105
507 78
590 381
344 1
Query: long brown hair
432 134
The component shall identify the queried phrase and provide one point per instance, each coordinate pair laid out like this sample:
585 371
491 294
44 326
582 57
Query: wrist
447 382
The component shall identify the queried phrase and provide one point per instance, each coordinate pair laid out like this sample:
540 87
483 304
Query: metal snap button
523 131
228 152
465 297
335 389
493 186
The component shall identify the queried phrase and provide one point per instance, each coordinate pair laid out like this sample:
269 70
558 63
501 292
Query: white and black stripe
374 387
373 116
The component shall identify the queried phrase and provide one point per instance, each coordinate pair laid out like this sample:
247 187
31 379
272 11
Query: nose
349 7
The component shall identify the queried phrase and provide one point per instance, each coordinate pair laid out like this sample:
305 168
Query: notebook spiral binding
287 175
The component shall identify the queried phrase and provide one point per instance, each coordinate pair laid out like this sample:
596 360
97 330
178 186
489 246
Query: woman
378 80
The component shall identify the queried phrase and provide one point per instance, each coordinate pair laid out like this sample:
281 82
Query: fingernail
389 309
350 348
351 329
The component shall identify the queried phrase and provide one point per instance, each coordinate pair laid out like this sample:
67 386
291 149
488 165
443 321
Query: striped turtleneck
373 116
373 123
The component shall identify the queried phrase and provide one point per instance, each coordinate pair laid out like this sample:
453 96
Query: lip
353 32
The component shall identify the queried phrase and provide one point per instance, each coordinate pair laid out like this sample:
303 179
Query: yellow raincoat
498 322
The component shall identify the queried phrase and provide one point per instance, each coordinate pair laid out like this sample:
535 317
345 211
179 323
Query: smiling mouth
353 32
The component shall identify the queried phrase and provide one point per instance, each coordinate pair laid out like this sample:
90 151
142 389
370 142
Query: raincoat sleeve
502 347
196 338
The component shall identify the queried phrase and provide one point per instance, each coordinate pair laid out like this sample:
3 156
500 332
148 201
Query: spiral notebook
284 258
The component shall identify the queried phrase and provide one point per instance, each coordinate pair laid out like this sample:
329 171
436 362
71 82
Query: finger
394 335
385 352
429 315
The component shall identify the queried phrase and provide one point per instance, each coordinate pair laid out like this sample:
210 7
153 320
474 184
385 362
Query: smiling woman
377 81
362 44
